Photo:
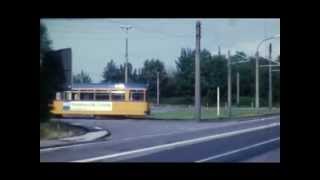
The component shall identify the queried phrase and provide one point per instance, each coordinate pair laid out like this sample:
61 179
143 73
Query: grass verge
211 113
54 130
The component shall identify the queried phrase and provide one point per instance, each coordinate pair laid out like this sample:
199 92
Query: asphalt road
256 140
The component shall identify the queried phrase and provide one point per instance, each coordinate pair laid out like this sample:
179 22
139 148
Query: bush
44 91
173 100
246 101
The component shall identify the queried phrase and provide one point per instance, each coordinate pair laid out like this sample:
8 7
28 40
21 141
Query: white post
238 88
158 88
218 101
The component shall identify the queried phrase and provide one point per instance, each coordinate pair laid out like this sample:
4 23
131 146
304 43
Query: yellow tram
102 99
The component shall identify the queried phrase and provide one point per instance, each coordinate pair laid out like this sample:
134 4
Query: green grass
55 130
173 100
211 113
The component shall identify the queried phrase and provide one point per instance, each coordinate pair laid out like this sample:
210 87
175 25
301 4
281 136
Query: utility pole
218 101
197 101
229 84
219 51
257 68
257 81
270 77
126 28
158 88
238 88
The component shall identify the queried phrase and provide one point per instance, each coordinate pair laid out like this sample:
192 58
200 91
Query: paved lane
136 138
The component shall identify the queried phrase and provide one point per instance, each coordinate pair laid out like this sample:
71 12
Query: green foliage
44 41
82 78
185 72
57 130
115 74
177 87
149 75
111 73
214 73
44 100
44 84
246 101
51 74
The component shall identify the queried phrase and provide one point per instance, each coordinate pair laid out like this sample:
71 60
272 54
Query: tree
44 41
247 81
238 56
44 84
216 75
111 73
51 74
134 76
122 72
213 74
115 74
149 74
170 86
82 78
185 72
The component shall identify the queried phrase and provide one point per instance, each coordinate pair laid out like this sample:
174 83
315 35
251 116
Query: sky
94 42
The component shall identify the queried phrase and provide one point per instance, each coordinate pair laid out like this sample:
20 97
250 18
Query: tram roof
109 86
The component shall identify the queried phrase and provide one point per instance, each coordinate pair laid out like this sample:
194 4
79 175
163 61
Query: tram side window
137 95
102 97
118 97
58 96
86 96
67 96
75 97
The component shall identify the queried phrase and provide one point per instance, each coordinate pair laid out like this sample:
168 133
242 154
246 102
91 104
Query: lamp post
257 68
126 28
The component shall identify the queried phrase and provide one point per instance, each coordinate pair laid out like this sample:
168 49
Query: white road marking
179 143
262 119
193 129
238 150
151 135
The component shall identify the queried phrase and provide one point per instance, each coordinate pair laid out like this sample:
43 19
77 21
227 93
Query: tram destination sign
87 106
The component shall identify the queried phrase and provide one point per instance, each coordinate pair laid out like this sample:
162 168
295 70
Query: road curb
221 118
93 134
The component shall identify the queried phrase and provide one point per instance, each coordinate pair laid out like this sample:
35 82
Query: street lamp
126 28
257 68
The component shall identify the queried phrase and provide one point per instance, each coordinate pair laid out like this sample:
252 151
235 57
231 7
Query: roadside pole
218 102
229 84
238 89
257 82
197 101
158 88
270 78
